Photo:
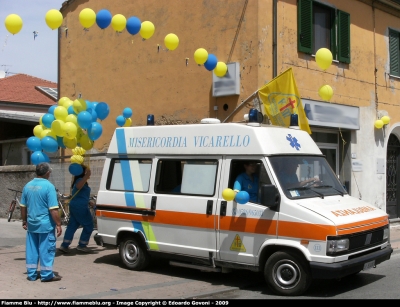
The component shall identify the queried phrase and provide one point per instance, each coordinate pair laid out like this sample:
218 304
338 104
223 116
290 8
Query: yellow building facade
258 39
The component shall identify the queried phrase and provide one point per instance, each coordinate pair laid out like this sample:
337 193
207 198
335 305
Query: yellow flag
281 98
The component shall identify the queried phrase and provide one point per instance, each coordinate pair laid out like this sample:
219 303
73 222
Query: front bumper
341 269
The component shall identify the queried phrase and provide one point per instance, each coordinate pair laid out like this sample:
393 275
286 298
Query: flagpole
239 106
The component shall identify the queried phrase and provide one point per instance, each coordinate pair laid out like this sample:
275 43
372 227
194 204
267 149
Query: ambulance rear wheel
287 274
133 254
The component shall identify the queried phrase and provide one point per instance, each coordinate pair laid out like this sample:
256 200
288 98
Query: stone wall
16 176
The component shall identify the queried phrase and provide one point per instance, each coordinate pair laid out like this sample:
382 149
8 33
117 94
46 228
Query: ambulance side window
129 175
188 177
238 168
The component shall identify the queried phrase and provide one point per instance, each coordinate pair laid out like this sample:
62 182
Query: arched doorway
393 177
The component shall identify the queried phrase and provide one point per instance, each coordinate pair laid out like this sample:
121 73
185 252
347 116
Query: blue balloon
103 18
47 119
46 157
60 142
127 112
93 113
51 109
37 157
33 143
242 197
75 169
95 130
49 144
94 104
102 110
120 120
133 25
88 104
84 119
211 62
71 110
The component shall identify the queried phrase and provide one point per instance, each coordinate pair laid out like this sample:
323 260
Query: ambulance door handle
209 207
222 212
153 203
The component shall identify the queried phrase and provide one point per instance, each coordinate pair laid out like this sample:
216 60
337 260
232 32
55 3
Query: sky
21 53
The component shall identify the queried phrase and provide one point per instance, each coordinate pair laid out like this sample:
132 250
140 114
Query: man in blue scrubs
39 211
248 181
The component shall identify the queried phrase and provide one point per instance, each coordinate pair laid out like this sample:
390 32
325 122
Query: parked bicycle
63 205
14 203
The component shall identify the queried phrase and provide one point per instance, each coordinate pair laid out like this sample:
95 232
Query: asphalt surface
101 275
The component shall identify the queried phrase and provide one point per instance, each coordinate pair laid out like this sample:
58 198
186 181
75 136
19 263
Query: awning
29 117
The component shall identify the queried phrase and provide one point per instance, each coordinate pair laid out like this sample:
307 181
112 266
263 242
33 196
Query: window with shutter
305 26
343 37
394 53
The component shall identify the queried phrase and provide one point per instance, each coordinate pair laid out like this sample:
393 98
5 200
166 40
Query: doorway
392 177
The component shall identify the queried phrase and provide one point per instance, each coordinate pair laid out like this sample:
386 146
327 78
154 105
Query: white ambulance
161 194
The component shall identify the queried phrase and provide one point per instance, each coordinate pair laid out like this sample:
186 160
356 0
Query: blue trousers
79 215
40 246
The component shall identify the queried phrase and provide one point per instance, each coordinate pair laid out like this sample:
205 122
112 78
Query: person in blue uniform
39 212
248 181
79 213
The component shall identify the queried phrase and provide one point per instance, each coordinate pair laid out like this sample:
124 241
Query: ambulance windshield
306 176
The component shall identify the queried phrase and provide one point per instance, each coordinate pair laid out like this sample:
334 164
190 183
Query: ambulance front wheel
287 274
133 254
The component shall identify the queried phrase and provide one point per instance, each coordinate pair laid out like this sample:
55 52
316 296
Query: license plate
369 265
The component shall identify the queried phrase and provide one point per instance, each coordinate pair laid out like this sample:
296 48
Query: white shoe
83 249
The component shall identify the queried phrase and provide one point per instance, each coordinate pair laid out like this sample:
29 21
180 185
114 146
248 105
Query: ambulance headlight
337 246
386 233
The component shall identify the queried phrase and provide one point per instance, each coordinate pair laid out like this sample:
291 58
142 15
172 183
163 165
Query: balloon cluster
124 120
324 58
210 62
76 161
241 197
67 125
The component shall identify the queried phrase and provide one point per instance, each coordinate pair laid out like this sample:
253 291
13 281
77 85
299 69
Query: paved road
100 275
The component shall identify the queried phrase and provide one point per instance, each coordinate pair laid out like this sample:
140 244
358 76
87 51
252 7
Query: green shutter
305 26
343 36
394 52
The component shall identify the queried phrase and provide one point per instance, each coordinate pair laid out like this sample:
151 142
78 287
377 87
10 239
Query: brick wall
16 176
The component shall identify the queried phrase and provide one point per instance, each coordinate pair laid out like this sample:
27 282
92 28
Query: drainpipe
275 37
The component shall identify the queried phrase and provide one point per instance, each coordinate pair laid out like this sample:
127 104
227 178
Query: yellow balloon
324 58
57 126
147 29
79 134
128 122
54 19
13 23
228 194
200 56
60 113
385 119
221 69
79 105
171 41
72 118
62 100
70 130
87 18
77 159
118 22
85 142
378 124
70 143
325 92
44 133
37 131
40 120
78 151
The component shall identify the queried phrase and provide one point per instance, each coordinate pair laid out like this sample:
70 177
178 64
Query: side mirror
270 196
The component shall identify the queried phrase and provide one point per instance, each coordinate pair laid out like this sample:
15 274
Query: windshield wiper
307 188
329 186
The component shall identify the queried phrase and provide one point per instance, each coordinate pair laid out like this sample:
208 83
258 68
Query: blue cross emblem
293 142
